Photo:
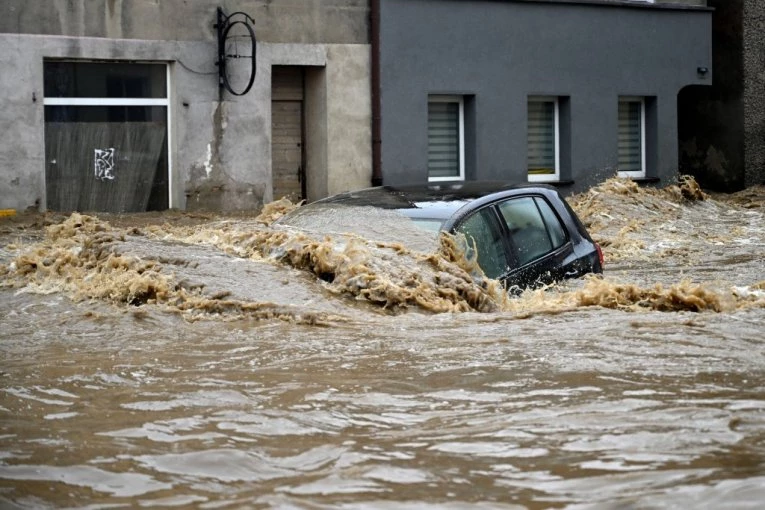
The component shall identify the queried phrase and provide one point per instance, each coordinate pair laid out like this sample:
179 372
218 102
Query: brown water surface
222 362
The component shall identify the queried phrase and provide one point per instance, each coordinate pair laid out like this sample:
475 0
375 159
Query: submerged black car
523 235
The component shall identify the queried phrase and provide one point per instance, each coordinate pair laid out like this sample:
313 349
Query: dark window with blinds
445 159
631 136
542 158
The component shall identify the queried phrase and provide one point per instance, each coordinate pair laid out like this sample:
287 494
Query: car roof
432 200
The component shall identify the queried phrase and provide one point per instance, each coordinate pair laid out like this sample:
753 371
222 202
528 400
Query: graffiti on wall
104 164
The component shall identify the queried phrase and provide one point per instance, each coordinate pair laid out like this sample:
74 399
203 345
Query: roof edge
629 4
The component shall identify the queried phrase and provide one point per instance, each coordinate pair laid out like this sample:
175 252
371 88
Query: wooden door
287 155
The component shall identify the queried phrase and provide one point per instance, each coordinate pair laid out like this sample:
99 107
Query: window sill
629 4
557 184
645 180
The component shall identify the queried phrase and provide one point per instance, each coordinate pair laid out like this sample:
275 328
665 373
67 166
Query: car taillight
600 254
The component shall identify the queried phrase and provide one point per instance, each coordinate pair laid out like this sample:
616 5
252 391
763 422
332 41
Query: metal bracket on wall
229 49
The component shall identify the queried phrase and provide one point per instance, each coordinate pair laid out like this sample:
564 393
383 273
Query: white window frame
635 99
128 101
556 121
437 98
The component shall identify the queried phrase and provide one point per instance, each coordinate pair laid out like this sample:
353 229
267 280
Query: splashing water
88 258
197 360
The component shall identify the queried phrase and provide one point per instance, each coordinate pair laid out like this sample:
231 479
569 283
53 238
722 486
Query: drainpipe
374 7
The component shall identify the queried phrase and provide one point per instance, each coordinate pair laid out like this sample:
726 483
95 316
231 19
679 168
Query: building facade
722 133
566 92
117 105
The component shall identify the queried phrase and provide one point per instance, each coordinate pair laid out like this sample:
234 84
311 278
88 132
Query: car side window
554 228
527 229
488 243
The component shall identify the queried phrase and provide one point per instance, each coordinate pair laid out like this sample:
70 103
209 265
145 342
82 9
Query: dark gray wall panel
502 52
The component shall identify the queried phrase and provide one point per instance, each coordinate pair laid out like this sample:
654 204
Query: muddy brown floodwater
213 362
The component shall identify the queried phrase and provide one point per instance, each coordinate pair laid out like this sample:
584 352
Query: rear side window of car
554 228
489 247
527 229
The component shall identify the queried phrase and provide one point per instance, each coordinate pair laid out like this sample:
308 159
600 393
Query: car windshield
428 224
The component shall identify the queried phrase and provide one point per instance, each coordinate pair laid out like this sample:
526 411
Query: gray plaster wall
317 176
220 146
22 148
349 128
232 165
496 54
220 150
278 21
337 117
754 91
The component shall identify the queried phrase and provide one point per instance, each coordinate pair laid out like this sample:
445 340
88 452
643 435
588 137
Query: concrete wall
220 149
754 91
722 131
317 177
349 128
496 54
22 149
338 122
282 21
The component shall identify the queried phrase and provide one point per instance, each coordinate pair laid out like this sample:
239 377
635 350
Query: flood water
220 362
